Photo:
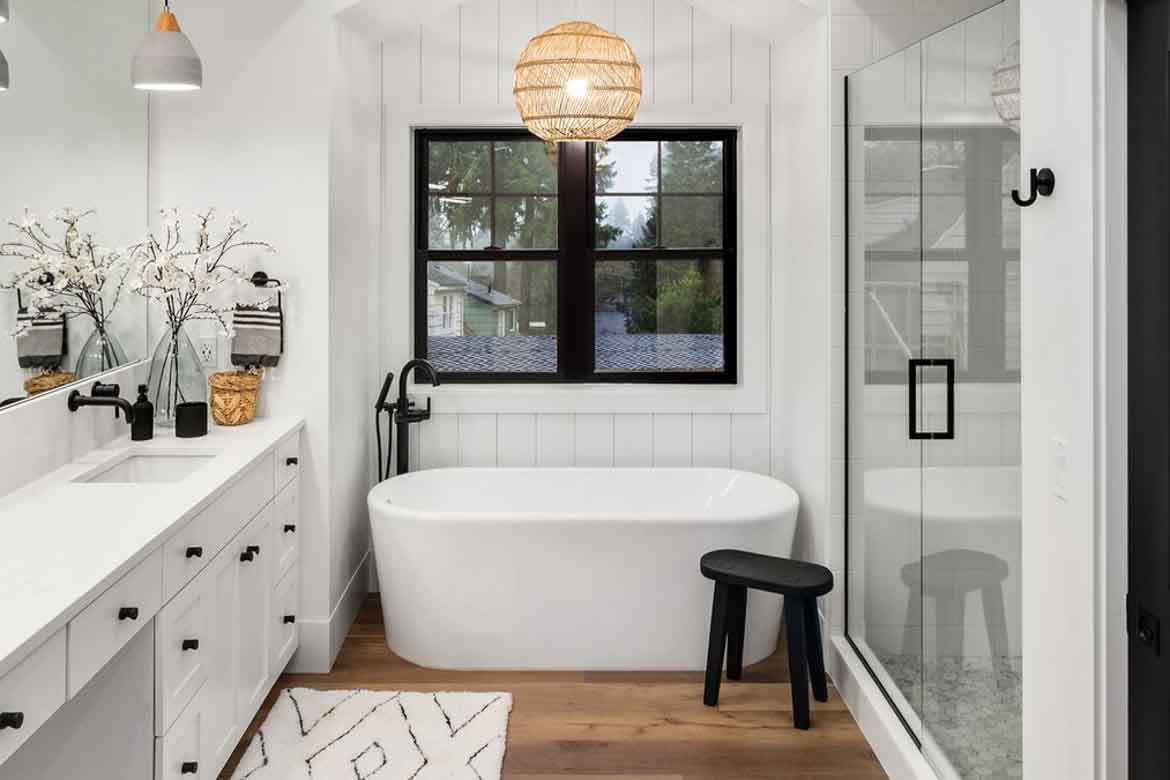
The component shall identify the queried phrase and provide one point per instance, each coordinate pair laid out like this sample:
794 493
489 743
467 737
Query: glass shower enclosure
933 389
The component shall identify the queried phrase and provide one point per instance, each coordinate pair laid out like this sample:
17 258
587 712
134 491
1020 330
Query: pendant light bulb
5 14
166 60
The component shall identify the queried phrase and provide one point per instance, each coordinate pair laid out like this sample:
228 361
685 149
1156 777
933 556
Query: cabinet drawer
286 522
183 641
189 550
181 754
288 460
112 620
32 692
285 634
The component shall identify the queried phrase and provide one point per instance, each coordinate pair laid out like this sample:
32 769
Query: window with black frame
942 251
608 262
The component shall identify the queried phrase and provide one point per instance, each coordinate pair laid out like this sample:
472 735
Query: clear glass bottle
99 354
176 375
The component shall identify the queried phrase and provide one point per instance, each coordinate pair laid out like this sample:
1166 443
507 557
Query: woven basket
233 397
41 383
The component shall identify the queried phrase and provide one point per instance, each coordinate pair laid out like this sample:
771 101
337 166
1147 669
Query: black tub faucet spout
405 414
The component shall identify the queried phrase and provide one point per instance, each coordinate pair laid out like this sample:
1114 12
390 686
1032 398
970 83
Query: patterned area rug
386 735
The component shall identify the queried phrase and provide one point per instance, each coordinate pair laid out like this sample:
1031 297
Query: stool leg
736 627
797 664
815 651
994 618
715 644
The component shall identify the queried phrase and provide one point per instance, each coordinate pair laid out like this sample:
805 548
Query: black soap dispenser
143 427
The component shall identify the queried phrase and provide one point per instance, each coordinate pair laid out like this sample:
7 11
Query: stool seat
767 573
800 583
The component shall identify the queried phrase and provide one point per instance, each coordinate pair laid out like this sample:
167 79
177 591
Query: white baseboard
321 640
895 750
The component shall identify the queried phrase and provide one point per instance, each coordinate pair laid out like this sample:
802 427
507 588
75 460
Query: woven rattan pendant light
577 82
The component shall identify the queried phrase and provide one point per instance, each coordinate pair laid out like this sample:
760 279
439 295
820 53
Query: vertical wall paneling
477 440
634 21
438 442
711 445
672 51
554 440
750 67
553 12
593 439
479 42
600 12
518 23
439 75
672 440
750 448
516 444
633 440
711 58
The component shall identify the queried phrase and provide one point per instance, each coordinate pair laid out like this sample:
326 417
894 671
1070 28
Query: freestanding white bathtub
569 568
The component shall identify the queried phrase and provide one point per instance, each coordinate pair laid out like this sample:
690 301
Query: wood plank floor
622 725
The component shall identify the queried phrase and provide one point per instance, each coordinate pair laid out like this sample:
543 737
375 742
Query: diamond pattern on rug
385 735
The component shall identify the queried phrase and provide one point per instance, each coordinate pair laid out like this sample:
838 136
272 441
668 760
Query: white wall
260 137
456 68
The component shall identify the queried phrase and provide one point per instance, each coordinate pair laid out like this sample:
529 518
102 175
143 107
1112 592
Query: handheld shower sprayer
379 407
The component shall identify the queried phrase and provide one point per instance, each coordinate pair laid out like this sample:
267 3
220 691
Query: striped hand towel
259 336
42 340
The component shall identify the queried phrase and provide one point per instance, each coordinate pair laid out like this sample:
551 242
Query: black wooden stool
800 583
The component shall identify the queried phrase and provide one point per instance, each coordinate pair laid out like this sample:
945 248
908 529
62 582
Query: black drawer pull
290 619
247 555
128 613
11 720
189 768
288 529
194 552
190 644
291 461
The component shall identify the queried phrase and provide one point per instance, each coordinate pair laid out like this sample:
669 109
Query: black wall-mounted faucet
102 395
404 413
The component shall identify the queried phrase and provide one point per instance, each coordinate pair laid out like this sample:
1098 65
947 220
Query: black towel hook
1043 182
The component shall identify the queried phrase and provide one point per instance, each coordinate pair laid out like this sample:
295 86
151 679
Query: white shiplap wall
464 58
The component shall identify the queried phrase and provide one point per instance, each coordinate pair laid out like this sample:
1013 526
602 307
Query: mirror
73 151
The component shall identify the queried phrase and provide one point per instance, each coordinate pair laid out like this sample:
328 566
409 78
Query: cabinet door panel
221 721
256 552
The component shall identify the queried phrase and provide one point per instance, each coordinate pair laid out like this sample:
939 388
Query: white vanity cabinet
215 597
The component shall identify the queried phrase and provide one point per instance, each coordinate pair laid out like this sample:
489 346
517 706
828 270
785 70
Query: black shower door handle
912 391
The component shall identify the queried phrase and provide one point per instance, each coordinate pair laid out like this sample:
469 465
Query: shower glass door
933 579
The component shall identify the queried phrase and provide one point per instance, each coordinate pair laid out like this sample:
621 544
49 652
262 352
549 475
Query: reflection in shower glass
933 574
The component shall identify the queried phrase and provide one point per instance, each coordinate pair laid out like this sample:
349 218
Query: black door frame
1148 559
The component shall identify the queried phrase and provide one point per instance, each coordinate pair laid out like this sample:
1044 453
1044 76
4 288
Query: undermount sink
148 467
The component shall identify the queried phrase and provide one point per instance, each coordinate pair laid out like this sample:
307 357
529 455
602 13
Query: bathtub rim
378 500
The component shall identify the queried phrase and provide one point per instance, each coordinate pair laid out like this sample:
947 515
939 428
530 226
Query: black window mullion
575 331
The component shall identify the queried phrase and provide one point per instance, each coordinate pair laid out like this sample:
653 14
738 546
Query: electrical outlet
209 352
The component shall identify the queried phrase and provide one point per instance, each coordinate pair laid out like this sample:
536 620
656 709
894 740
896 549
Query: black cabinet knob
128 613
190 644
11 720
288 529
194 552
189 768
253 548
247 555
290 618
291 461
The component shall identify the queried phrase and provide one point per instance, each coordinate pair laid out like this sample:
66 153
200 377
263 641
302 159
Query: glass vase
176 375
99 354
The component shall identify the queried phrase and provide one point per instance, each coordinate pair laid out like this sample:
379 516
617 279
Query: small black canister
191 420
